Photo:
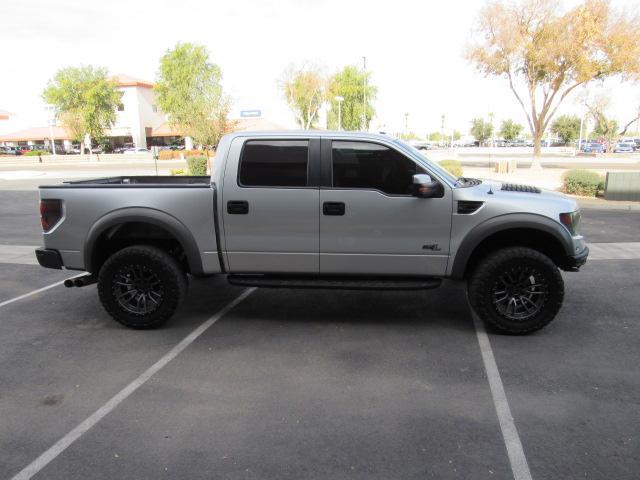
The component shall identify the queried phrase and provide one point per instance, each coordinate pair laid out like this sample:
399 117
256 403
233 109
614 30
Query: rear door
271 205
370 224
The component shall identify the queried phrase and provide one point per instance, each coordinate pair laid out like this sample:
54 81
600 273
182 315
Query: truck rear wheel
516 290
141 286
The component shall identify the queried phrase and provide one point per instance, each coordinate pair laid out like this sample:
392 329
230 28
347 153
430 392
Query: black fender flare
507 222
144 215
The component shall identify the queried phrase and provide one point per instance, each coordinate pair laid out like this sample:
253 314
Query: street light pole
52 121
339 99
364 94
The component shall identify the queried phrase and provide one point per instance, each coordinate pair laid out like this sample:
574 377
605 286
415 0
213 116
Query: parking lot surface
318 384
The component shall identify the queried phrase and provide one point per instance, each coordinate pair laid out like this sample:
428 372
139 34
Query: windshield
418 155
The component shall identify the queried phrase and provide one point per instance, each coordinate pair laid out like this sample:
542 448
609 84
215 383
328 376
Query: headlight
571 221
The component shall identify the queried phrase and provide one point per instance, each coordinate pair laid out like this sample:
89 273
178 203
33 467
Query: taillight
50 213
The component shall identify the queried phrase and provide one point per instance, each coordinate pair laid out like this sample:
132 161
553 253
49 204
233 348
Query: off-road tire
485 278
168 278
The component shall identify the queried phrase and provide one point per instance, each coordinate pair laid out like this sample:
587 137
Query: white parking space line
29 294
62 444
515 452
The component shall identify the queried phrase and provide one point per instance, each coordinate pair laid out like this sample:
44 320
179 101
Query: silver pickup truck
314 210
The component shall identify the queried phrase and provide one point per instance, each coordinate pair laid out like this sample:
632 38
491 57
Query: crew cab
314 210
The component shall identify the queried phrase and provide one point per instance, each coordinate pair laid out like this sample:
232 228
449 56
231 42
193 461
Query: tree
567 127
86 101
304 90
410 136
435 137
547 54
190 92
481 130
349 83
509 130
605 127
456 135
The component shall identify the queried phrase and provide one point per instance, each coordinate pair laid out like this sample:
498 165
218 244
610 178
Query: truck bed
146 180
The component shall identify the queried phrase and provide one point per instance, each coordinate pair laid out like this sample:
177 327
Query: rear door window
274 163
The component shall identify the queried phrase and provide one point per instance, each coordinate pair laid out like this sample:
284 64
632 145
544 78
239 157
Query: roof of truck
312 133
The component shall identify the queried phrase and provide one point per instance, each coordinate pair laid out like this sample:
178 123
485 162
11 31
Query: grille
465 207
514 187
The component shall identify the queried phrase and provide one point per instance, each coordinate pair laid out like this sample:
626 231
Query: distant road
557 158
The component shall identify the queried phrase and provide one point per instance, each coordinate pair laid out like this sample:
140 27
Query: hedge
197 166
583 182
36 153
177 154
452 166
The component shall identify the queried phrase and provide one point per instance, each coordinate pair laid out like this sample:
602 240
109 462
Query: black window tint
274 163
372 166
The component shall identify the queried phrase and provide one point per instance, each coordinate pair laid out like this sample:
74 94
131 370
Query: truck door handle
237 207
333 208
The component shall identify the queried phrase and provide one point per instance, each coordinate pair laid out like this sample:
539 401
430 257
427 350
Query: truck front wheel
141 286
516 290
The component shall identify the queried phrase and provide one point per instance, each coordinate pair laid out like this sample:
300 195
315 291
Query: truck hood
507 197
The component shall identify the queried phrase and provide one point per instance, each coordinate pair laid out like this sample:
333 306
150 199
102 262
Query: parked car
9 151
315 210
592 147
124 147
136 150
422 145
623 147
633 141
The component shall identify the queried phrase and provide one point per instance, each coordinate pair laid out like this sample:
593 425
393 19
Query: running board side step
333 282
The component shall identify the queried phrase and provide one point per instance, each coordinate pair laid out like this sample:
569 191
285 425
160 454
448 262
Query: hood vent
467 207
514 187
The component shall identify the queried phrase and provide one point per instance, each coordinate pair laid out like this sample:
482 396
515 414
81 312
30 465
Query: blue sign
250 113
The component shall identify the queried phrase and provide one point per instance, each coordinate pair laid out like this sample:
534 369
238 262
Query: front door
270 205
370 224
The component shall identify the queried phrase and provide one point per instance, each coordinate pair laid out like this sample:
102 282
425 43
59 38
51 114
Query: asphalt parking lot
317 384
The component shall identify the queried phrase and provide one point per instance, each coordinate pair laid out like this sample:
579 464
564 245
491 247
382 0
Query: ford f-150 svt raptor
314 210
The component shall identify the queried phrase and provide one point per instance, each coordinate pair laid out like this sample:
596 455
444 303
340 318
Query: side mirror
425 187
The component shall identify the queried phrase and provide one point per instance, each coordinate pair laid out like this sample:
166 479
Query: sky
414 50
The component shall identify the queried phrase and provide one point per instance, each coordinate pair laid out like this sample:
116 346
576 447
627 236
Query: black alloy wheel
141 286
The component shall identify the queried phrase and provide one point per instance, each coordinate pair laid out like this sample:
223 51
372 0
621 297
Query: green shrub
36 153
583 182
197 166
452 166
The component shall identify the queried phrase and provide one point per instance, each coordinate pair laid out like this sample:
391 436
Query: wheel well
124 235
539 240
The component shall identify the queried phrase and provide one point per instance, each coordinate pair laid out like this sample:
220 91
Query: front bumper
574 262
49 258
